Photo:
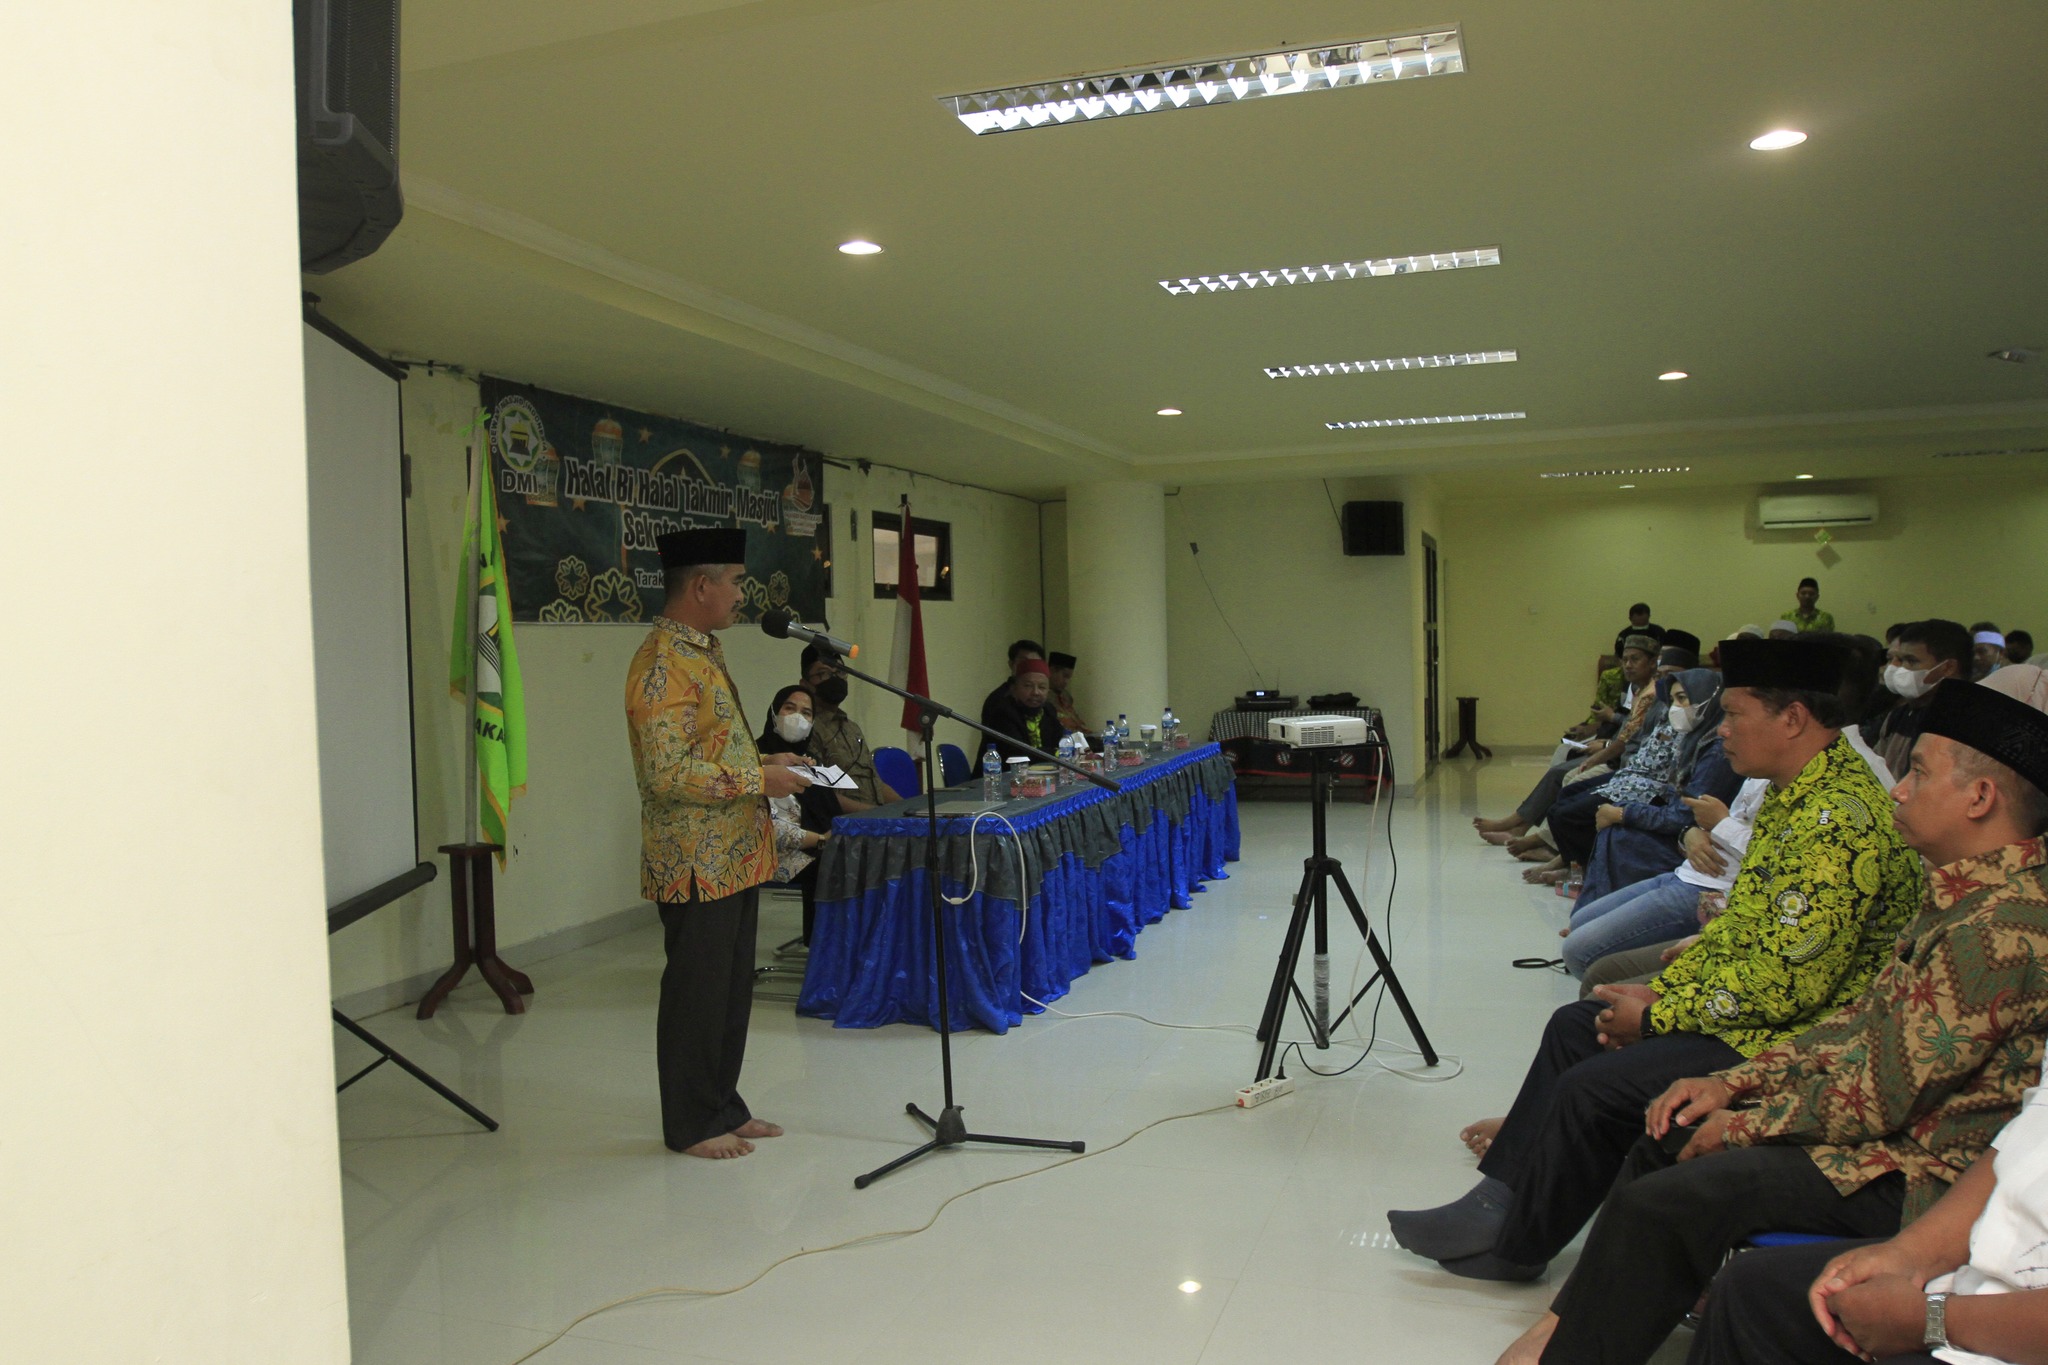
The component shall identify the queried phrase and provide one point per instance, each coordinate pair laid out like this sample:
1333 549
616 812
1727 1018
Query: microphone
782 626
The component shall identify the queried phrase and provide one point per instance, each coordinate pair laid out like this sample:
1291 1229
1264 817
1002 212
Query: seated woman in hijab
1653 773
802 822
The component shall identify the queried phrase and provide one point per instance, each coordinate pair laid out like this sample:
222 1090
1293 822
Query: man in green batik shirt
1824 888
1808 616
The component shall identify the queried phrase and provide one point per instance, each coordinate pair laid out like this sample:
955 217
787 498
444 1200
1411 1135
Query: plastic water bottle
1167 724
1109 744
991 775
1123 728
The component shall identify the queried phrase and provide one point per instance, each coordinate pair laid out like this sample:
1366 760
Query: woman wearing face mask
1656 775
802 822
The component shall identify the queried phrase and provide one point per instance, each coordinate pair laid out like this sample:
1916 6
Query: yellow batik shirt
705 830
1823 892
1920 1074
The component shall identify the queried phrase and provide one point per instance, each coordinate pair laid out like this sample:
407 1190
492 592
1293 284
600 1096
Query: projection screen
361 660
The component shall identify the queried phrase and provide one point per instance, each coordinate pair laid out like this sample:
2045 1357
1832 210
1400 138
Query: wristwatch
1937 1322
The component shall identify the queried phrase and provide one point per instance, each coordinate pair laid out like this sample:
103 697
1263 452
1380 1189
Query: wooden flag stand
476 932
470 899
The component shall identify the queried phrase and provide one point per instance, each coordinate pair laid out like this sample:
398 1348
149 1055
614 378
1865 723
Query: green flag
500 698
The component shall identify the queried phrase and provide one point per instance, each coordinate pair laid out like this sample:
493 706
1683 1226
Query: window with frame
934 549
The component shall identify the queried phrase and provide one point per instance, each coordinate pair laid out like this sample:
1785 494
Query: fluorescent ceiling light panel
1192 85
1613 473
1343 270
1392 363
1425 421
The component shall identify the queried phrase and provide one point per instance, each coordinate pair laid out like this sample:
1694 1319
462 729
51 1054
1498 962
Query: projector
1317 732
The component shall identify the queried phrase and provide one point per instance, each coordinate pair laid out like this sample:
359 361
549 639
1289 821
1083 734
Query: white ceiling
639 200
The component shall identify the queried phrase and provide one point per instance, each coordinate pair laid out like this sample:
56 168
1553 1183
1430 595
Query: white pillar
1116 591
171 1173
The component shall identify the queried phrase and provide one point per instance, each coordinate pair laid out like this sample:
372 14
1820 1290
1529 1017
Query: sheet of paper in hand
828 776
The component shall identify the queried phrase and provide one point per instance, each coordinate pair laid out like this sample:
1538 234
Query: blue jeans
1656 911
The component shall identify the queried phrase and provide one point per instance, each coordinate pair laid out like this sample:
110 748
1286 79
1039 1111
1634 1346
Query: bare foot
1479 1136
720 1148
1529 843
1528 1347
1497 837
1550 874
1506 824
758 1128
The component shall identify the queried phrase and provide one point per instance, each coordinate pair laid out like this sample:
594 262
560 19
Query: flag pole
472 831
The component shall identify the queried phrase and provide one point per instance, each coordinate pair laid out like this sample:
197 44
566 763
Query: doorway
1432 700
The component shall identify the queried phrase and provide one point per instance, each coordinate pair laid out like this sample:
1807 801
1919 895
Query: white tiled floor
469 1247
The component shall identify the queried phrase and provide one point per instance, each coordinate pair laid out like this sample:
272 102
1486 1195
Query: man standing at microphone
707 842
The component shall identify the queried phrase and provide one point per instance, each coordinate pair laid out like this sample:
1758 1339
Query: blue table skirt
871 953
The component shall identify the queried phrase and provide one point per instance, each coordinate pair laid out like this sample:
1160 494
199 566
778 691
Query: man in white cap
1988 655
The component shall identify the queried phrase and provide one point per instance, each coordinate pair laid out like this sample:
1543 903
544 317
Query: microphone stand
949 1129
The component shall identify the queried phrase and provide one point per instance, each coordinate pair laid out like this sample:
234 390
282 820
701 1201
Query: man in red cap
1024 711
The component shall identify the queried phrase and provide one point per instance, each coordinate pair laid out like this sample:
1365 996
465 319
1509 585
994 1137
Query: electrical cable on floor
1368 1042
863 1239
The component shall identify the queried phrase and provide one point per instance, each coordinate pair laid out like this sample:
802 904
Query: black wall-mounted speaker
1374 528
347 69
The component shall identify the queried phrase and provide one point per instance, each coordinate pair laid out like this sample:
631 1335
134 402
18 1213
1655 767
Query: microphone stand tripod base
949 1129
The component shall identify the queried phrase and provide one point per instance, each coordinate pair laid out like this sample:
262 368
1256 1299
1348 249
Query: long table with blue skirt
1099 866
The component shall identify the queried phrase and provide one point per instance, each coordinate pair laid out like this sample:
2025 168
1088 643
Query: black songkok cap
1682 639
1059 660
708 545
1795 665
1995 725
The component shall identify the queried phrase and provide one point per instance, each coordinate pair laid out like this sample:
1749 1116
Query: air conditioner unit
1793 510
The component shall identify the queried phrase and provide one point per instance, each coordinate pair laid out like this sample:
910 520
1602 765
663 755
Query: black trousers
1579 1111
1758 1314
1667 1227
700 1030
1536 805
1575 821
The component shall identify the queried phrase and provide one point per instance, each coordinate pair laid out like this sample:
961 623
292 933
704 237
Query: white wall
575 834
1313 619
168 1162
1537 589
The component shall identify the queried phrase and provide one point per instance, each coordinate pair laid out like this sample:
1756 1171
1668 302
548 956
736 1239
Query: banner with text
585 487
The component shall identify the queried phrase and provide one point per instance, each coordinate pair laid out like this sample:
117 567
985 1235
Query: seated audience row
1838 1043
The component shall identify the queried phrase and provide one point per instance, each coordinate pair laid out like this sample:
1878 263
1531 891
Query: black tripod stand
949 1129
1312 900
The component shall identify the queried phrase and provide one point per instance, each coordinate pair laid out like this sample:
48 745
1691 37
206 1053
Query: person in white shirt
1966 1283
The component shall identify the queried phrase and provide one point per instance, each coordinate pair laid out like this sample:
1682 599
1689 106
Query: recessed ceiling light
1425 421
1410 362
1190 1286
1777 140
1674 374
1611 473
1628 485
858 247
1342 270
1802 476
2012 355
1169 412
1192 85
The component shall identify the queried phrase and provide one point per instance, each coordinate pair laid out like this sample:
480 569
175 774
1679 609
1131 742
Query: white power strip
1258 1092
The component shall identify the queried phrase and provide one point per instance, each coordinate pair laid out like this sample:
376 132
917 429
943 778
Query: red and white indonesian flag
906 658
